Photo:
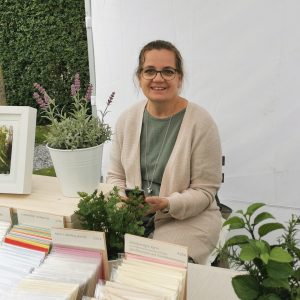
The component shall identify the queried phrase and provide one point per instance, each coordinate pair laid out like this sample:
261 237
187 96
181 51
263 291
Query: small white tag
5 214
79 238
156 249
39 219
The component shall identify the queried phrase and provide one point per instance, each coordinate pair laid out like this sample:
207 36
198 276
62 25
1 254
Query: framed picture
17 135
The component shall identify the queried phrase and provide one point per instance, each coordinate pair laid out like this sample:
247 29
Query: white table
204 282
46 197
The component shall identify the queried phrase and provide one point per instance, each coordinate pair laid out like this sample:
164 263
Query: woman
170 147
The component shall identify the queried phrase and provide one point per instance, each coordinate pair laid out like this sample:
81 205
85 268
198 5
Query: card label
79 238
155 249
5 214
39 219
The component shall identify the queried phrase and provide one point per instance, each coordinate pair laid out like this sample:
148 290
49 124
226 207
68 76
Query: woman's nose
158 77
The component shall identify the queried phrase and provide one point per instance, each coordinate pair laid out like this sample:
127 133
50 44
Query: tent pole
89 32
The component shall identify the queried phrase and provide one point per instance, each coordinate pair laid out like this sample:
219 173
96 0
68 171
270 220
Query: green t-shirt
161 137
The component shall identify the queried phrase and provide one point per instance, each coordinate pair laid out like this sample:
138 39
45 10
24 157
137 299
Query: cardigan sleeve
205 172
116 173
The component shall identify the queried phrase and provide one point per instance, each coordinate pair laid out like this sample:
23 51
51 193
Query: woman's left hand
156 203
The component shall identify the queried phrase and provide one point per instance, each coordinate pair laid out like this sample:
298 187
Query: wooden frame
17 135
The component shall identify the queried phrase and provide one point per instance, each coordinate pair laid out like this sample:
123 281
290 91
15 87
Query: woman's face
159 89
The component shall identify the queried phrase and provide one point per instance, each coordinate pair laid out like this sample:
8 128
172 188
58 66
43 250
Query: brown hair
159 45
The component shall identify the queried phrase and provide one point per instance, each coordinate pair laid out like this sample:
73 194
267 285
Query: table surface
204 282
45 197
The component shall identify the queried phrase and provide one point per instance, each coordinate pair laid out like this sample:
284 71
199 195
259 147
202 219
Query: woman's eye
168 72
150 71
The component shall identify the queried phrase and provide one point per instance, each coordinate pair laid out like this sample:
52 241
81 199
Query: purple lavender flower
42 102
108 103
110 99
46 99
77 82
73 90
88 93
36 96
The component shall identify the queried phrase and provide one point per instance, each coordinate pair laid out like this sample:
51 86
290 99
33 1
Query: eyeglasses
167 73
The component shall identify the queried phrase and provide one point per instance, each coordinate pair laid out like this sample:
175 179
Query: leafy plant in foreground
112 215
273 271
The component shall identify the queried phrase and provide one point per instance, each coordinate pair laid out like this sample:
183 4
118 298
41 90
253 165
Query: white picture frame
17 137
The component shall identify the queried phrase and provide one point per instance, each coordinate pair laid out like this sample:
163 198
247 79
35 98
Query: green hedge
42 41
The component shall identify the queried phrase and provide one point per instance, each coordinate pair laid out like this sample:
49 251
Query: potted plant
272 270
112 215
75 140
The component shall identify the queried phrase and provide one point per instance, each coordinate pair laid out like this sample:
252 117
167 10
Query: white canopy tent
242 60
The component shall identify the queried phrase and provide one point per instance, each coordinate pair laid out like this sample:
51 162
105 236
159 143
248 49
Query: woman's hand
156 203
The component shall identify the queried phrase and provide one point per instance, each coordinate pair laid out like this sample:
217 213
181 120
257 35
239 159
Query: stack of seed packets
73 267
24 248
151 270
29 237
31 289
15 264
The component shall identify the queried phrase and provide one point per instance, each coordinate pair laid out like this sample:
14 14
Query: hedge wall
42 41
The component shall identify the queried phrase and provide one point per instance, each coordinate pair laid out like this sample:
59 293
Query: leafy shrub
42 41
113 215
273 270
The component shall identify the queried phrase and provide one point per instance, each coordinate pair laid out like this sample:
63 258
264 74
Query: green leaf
267 228
269 297
279 270
253 207
245 287
262 216
248 252
237 240
280 255
264 257
262 246
234 223
276 283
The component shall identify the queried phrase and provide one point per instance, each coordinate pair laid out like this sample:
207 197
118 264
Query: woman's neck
165 109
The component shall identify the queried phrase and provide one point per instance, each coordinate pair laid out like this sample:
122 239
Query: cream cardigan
190 181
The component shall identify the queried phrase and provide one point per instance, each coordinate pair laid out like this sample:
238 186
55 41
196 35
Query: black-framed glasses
151 73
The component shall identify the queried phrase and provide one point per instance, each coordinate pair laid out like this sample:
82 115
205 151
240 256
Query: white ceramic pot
77 170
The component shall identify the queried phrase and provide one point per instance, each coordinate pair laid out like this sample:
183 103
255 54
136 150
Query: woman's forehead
160 57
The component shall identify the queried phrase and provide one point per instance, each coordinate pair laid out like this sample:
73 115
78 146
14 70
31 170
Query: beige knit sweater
190 181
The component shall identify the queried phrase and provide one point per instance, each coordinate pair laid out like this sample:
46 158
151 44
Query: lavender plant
77 129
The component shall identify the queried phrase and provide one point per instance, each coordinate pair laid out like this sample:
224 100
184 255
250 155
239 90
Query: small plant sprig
75 130
108 103
112 215
273 270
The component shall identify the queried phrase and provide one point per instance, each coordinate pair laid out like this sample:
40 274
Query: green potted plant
272 270
75 140
112 215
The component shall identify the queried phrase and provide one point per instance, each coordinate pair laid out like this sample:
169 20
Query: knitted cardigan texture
190 181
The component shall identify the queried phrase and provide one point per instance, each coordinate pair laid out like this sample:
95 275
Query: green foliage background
42 41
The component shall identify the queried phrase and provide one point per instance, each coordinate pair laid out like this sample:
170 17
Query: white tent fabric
242 62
